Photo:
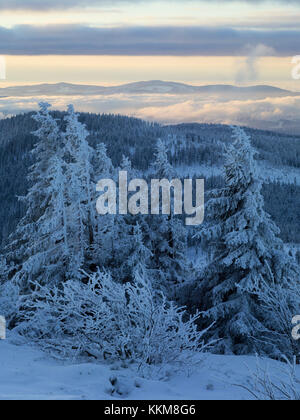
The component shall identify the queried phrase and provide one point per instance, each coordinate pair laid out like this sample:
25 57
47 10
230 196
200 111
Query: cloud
50 4
249 71
277 114
158 40
69 4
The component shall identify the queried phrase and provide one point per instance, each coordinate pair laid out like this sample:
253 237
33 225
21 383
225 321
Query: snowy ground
28 374
285 174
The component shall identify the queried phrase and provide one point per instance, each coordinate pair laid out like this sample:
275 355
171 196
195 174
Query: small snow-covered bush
280 304
9 301
283 384
111 321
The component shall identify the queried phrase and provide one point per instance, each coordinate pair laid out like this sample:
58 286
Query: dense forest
200 146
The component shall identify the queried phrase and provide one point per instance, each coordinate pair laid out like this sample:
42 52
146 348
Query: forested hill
195 150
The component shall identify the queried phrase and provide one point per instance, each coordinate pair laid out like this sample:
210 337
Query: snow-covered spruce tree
3 269
81 191
39 245
126 165
162 168
6 301
104 225
133 238
121 238
244 245
9 295
53 240
103 167
136 256
108 249
168 235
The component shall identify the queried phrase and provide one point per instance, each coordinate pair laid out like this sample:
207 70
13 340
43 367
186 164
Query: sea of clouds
279 114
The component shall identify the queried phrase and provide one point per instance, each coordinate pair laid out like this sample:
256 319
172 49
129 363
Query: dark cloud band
67 4
170 41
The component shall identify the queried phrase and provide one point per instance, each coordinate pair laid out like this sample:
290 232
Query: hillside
195 150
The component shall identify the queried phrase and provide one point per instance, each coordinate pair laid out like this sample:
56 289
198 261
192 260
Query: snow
285 174
26 373
197 170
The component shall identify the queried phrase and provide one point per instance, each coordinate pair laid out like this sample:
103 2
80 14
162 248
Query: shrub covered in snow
283 385
280 304
9 302
112 321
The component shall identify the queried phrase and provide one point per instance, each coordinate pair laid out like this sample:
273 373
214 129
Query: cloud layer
282 114
279 114
66 4
163 40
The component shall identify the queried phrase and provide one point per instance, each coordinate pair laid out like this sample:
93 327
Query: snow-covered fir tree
162 168
168 235
106 227
3 269
138 255
79 177
54 239
38 246
134 235
125 238
244 245
126 165
103 167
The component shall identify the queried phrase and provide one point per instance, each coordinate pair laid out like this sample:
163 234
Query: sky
110 42
115 41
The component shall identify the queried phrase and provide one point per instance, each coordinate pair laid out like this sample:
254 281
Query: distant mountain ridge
148 87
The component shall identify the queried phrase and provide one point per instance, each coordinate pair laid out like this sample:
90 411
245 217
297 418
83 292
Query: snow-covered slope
26 373
285 175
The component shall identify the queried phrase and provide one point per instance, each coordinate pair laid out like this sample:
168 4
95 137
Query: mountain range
149 87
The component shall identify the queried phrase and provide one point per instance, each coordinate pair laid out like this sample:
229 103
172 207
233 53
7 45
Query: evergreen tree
3 269
103 167
135 235
168 236
105 226
161 166
126 165
126 237
137 258
39 242
54 239
244 245
79 176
